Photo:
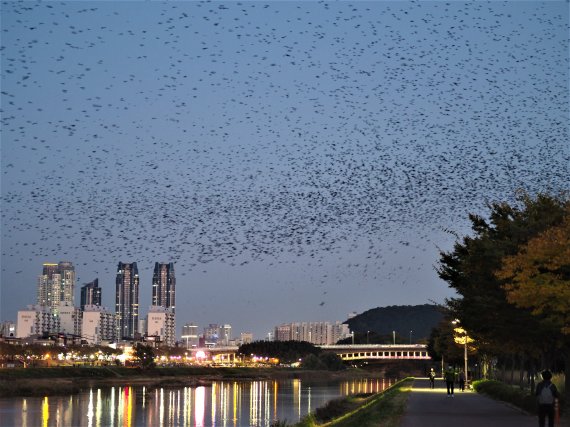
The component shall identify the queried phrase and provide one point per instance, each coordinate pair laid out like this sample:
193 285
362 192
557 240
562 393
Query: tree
285 351
144 356
498 326
538 276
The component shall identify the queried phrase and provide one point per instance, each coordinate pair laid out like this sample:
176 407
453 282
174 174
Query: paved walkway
432 408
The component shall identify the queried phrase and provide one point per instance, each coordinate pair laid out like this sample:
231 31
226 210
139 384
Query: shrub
506 393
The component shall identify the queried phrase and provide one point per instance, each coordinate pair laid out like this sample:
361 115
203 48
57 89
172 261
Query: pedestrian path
432 408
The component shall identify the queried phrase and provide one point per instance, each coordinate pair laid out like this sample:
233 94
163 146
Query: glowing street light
462 338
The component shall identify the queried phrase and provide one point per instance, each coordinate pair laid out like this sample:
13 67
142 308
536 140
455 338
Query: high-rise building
318 333
127 301
164 285
190 335
90 294
56 285
246 338
225 335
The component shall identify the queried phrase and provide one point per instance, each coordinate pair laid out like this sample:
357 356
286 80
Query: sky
296 160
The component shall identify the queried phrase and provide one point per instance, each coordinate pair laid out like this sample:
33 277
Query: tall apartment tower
56 285
127 301
90 294
164 286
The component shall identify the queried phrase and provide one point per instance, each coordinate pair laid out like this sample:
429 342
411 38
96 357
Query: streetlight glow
462 338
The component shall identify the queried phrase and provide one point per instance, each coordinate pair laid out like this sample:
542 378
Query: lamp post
367 332
411 337
463 339
394 336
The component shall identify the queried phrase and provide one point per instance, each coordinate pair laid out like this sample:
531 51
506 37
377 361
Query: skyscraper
163 286
56 285
90 294
67 272
127 300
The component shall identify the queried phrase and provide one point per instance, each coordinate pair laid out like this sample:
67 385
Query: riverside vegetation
383 409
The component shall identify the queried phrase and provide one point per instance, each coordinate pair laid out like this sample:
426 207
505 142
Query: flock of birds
194 132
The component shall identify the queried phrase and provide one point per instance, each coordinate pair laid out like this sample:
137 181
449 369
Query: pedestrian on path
461 380
449 376
546 393
432 378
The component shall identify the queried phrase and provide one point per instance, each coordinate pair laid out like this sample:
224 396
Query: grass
379 410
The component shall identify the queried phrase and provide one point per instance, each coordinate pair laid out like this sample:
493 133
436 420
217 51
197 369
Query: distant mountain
420 319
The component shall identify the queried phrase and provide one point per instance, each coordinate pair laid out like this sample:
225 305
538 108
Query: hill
420 319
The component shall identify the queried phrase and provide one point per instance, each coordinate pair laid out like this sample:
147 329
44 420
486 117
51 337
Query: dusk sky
297 161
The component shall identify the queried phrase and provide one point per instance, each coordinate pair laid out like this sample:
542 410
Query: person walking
461 380
546 393
449 376
432 378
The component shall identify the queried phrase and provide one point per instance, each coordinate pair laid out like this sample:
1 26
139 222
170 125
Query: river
223 403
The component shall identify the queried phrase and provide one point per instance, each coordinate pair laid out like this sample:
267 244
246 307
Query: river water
223 403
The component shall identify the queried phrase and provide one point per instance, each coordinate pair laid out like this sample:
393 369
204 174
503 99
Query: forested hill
400 318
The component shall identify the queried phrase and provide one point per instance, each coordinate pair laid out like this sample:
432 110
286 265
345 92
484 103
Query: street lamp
462 339
367 332
411 337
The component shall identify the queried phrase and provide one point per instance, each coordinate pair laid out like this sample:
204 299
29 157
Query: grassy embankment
69 380
383 409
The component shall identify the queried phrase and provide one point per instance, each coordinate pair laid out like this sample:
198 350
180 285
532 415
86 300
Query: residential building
98 325
69 319
90 294
37 320
160 326
318 333
56 284
164 286
127 301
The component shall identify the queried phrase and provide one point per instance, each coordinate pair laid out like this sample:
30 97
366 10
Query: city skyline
296 161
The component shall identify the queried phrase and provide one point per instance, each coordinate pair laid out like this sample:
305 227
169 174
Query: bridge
347 352
379 351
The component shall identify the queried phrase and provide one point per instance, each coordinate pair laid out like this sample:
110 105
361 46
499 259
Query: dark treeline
285 351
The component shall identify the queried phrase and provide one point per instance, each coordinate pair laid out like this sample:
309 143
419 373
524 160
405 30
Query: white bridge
379 351
348 352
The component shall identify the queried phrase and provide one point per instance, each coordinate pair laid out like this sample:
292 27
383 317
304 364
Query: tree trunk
512 380
521 370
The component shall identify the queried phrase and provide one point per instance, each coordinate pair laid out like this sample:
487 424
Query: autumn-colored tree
538 276
498 326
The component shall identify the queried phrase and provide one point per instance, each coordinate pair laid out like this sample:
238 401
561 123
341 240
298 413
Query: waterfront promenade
432 408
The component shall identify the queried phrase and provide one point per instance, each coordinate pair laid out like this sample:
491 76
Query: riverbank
70 380
383 409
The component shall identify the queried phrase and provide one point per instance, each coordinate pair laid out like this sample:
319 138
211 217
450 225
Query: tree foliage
538 276
285 351
144 356
483 307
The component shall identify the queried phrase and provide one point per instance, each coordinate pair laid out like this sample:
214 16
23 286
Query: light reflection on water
223 403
